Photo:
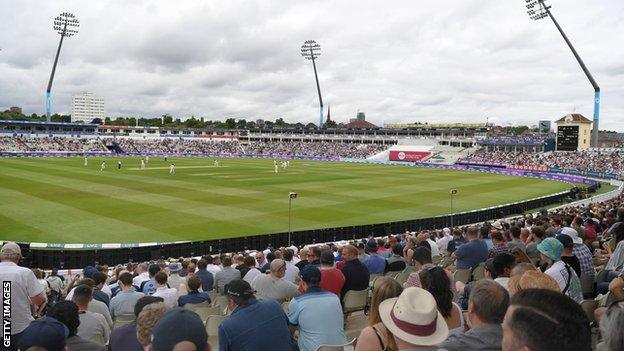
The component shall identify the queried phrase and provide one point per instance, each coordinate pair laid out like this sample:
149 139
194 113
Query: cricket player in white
172 169
102 166
85 161
147 159
216 163
276 168
142 164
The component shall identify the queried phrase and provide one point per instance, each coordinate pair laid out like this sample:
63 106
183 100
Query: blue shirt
375 264
470 254
319 316
193 297
258 325
207 279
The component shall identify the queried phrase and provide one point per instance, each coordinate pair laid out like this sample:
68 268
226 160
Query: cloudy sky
405 61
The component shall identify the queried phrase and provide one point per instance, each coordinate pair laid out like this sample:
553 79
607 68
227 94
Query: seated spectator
93 326
355 272
567 256
611 327
170 295
273 286
436 281
193 284
254 324
362 255
148 287
174 280
168 335
544 320
396 262
422 261
375 263
270 256
25 289
525 276
374 337
260 260
414 326
95 305
537 235
252 271
457 241
444 238
225 275
213 264
582 252
499 245
500 270
43 334
472 253
332 278
146 320
569 283
66 312
486 310
303 258
317 313
99 279
242 267
314 256
142 275
516 242
123 303
292 272
125 337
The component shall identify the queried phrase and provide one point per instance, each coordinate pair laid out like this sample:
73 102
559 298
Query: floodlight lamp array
540 12
310 50
66 24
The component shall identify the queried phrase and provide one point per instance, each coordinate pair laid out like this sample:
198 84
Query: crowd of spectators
325 149
503 285
602 161
21 143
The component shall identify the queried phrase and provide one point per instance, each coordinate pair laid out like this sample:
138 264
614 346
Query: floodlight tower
542 11
311 50
65 24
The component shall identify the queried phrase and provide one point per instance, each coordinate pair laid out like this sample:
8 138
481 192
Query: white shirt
251 275
503 281
292 272
24 285
213 268
136 281
107 290
434 248
443 242
93 325
170 295
270 288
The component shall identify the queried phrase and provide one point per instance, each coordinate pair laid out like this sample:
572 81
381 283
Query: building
85 107
573 132
15 109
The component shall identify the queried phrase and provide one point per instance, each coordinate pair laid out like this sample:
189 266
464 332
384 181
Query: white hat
497 225
414 317
572 233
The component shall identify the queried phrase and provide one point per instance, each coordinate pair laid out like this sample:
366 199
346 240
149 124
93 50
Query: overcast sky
398 61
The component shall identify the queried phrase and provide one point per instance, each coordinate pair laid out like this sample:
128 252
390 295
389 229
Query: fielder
142 164
276 167
172 169
102 166
216 163
118 164
146 158
85 161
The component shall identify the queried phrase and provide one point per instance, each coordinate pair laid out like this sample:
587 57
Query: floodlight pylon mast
66 24
544 11
311 50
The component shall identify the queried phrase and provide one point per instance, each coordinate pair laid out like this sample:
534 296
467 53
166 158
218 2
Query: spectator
242 266
500 270
170 295
93 326
225 275
498 244
317 313
148 287
194 296
536 237
356 274
123 303
270 256
168 335
332 278
252 271
567 256
374 337
422 261
516 242
207 277
582 253
96 306
413 326
444 239
43 334
486 310
303 258
147 319
544 320
99 280
375 263
436 281
314 256
125 337
174 280
66 312
253 324
273 286
142 276
25 289
292 272
56 283
396 262
611 327
457 241
362 255
261 261
470 254
569 283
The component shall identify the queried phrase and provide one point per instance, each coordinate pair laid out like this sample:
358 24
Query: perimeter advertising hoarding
409 156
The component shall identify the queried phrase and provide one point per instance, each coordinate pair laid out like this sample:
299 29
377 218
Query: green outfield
60 200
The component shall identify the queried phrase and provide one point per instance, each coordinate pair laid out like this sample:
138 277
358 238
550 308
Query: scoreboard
567 138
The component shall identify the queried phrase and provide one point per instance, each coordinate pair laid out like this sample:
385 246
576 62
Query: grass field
61 200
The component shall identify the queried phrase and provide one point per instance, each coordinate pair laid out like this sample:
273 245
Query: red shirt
332 280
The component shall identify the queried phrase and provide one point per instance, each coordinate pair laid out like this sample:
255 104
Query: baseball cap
44 332
327 257
239 287
566 240
177 325
551 248
310 274
89 271
372 246
175 267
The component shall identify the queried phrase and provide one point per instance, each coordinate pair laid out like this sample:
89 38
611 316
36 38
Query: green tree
230 123
330 124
